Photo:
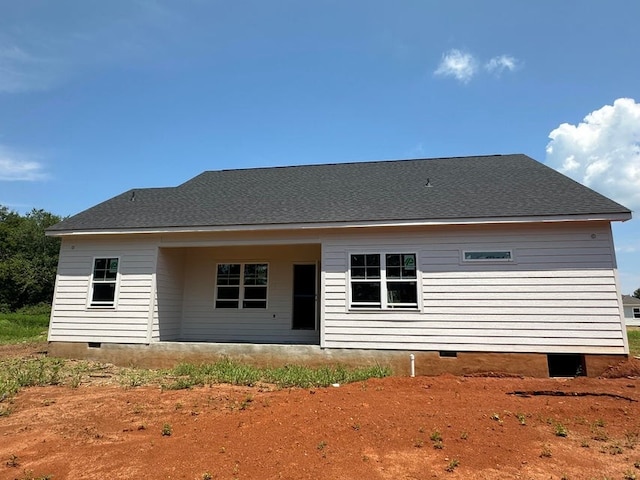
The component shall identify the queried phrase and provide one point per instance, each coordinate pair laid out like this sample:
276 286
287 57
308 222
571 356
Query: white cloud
499 64
463 66
460 65
14 166
603 151
22 71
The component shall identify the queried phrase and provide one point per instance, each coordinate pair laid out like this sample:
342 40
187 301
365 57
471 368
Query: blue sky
99 97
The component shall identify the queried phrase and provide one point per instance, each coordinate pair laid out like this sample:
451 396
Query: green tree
28 258
636 293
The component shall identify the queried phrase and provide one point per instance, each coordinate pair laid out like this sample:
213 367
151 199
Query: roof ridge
364 162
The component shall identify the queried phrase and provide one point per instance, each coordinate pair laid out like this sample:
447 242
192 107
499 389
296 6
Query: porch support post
152 303
152 298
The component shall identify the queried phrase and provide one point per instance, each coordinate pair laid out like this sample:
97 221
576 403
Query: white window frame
487 250
92 281
383 280
241 287
635 312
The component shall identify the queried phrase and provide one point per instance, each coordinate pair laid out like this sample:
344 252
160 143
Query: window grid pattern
383 281
103 281
366 280
241 285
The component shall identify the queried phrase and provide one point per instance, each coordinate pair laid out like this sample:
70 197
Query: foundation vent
566 365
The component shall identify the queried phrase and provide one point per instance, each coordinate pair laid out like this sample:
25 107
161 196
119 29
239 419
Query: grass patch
28 372
236 373
16 374
300 376
634 340
23 327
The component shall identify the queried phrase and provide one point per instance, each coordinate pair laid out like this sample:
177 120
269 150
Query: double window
241 285
103 282
384 280
636 312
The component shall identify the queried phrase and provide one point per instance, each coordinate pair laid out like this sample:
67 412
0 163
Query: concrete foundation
169 354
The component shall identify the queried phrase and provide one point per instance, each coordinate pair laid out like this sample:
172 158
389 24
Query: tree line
28 258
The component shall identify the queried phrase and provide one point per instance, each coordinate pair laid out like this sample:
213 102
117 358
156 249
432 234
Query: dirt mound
629 368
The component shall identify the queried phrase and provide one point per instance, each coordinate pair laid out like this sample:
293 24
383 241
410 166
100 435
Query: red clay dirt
378 429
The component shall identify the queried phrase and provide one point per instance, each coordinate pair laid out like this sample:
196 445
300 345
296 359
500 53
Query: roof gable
497 186
629 300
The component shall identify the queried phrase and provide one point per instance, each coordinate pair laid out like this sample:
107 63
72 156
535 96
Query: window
488 255
384 280
228 285
241 285
636 312
103 282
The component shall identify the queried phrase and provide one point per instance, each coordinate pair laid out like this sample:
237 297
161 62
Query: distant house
631 307
471 264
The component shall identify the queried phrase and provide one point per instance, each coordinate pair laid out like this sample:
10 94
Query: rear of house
470 264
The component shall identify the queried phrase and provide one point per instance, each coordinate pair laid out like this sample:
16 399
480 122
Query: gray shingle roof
629 300
461 188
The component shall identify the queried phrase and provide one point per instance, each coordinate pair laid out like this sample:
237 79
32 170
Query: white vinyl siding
558 296
72 317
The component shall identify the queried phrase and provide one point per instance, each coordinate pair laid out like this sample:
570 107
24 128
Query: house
631 306
487 263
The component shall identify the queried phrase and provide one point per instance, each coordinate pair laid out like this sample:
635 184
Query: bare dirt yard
442 427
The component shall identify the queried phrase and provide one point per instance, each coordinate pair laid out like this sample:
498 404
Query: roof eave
608 217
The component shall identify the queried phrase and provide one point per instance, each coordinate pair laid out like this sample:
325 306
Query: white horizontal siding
72 319
514 347
452 323
479 332
559 294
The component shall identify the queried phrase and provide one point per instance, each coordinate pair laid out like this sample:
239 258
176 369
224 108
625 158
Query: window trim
241 286
464 259
116 294
383 280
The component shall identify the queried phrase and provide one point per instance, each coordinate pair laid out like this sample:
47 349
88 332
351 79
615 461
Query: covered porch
259 294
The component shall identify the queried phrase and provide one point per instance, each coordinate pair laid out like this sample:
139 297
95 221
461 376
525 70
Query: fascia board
613 217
